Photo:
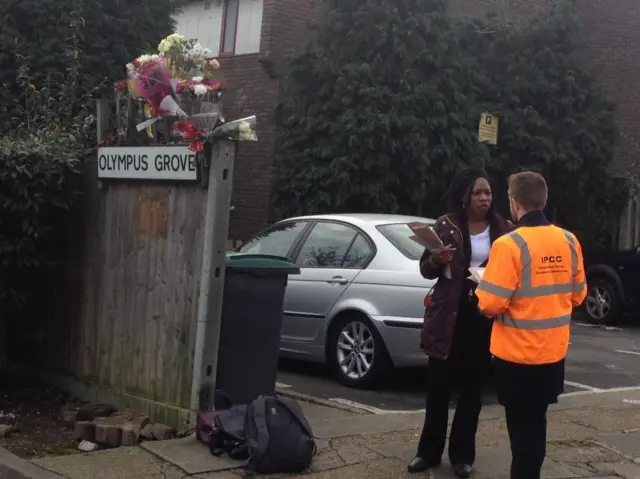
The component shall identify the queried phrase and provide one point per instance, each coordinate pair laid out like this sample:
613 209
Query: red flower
190 132
121 85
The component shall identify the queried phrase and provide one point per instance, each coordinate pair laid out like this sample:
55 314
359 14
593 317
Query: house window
229 27
226 27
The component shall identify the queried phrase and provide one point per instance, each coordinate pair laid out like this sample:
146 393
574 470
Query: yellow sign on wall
488 129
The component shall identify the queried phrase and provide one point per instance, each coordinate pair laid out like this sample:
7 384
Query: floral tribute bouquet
183 84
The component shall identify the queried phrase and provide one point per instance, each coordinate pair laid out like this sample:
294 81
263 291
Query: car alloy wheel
355 350
598 303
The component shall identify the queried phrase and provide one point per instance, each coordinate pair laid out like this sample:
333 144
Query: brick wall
254 84
611 49
250 91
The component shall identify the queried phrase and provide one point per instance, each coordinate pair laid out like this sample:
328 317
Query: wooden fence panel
138 321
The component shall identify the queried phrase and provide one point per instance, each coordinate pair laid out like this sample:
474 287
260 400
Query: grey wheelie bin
252 312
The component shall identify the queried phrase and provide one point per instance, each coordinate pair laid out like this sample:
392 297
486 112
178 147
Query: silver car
358 302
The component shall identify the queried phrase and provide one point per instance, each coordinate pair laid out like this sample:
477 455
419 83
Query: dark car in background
613 281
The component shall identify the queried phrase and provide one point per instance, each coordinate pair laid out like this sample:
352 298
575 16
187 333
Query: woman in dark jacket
454 335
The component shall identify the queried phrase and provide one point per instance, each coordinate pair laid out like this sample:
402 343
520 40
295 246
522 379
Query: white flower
200 90
197 79
207 52
147 58
175 38
171 41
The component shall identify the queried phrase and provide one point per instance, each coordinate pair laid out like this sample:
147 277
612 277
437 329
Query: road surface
599 358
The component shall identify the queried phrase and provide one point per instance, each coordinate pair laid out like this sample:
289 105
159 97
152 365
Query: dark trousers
444 377
527 428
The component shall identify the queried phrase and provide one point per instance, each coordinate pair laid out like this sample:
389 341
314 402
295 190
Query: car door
628 268
330 258
277 240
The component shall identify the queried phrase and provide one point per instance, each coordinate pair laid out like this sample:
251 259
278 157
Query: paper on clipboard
476 274
424 234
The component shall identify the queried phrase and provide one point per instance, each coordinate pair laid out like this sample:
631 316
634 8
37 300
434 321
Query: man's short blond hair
529 189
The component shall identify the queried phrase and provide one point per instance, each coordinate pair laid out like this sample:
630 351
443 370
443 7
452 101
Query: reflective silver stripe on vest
576 287
534 324
495 289
527 290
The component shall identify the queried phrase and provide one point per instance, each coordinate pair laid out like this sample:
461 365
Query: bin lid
265 263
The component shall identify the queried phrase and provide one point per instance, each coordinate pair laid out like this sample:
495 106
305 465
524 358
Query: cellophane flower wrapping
184 84
238 130
201 99
153 82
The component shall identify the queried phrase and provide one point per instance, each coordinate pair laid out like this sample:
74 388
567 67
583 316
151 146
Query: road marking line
582 386
602 391
283 386
586 325
621 390
636 353
372 409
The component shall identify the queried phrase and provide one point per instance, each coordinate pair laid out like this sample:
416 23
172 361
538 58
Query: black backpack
278 436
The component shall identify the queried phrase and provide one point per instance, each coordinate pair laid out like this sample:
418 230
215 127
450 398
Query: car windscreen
403 238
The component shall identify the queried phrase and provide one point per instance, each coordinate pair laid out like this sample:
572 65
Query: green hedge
36 184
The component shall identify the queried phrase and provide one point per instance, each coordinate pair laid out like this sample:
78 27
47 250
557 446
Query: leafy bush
35 173
379 114
39 159
107 34
376 113
555 119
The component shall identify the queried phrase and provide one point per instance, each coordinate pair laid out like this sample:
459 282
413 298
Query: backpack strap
261 441
221 396
296 411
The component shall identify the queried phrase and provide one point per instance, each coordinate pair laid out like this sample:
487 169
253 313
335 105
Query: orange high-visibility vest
533 280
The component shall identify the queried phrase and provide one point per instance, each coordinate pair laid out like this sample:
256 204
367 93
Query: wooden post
205 364
102 120
102 127
131 124
119 117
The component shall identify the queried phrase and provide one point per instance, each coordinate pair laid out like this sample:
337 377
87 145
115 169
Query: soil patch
36 407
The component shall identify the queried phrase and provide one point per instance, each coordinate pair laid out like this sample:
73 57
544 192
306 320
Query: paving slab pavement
12 467
190 456
590 436
123 462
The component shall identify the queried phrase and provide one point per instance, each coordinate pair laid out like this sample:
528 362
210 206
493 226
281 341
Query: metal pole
205 361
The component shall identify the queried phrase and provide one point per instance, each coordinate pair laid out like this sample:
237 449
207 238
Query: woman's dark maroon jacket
440 316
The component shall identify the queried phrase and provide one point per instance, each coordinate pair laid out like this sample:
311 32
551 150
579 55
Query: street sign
488 129
147 163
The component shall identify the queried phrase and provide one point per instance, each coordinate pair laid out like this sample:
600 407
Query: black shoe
418 464
462 470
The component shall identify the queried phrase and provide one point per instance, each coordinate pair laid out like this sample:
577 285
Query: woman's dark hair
458 194
461 189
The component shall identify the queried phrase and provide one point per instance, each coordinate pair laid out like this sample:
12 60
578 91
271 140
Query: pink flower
213 63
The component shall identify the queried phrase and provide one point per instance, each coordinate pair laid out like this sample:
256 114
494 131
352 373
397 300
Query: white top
480 246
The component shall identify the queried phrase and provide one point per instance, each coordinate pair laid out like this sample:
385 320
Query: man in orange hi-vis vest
533 280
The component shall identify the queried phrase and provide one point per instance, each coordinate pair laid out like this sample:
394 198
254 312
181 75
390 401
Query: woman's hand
444 256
